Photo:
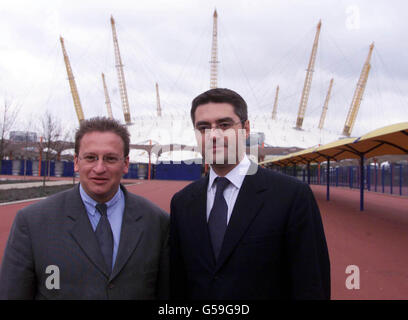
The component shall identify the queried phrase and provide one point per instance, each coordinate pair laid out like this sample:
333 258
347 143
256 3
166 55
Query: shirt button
111 286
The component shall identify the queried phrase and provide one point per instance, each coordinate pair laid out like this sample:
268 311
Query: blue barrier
133 171
44 168
389 178
68 169
29 170
177 171
6 167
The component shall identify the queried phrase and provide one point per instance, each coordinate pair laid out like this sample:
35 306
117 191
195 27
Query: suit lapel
197 215
247 205
81 230
131 232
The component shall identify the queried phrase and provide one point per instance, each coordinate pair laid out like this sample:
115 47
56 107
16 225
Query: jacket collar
81 230
249 202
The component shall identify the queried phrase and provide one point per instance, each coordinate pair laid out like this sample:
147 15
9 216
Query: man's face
225 145
101 178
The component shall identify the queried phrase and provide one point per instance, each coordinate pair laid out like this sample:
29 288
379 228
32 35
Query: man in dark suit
94 241
243 232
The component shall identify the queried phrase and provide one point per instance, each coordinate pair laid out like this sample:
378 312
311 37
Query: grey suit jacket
57 232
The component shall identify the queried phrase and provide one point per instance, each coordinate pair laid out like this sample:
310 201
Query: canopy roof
389 140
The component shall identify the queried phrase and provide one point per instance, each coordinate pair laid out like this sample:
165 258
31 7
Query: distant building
23 136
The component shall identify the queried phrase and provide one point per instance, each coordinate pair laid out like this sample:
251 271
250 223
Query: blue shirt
116 207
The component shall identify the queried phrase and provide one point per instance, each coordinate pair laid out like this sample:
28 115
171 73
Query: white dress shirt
236 177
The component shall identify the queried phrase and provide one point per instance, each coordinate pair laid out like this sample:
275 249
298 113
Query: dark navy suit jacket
274 246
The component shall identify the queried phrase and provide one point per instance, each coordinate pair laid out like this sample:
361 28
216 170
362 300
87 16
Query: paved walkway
374 240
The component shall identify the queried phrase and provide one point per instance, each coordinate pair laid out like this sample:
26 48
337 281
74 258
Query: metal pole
375 176
362 183
150 161
391 176
368 178
40 160
382 178
337 176
400 179
328 179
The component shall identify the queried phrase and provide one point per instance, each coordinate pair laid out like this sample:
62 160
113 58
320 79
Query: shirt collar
88 201
236 176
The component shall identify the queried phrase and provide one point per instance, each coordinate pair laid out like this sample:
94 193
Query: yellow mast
325 106
158 101
358 95
107 100
72 84
121 75
214 54
275 105
308 80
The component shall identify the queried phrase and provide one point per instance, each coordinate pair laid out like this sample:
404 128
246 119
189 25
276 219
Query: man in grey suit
94 241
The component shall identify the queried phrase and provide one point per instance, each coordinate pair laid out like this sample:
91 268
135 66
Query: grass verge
30 193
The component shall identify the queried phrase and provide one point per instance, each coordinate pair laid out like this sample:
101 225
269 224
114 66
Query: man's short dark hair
102 124
221 95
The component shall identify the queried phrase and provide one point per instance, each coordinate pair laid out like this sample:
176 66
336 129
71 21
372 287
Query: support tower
121 75
358 95
308 80
158 101
72 84
275 105
107 100
214 54
325 106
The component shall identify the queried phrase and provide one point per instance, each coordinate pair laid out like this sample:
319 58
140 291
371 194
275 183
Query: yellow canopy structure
389 140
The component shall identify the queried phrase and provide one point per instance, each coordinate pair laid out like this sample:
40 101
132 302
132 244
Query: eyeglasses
225 125
106 159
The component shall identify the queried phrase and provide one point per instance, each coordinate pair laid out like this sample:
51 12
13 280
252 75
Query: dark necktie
104 235
217 222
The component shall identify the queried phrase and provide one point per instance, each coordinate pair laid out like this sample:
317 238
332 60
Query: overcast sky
262 44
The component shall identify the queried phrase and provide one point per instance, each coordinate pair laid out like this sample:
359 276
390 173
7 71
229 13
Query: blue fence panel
6 166
44 168
29 171
143 170
404 179
178 171
133 171
68 169
385 178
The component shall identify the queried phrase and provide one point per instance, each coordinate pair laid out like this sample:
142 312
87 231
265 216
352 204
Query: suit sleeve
17 275
163 276
178 276
308 257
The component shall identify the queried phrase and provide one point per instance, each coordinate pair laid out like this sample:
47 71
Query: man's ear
126 168
76 166
247 128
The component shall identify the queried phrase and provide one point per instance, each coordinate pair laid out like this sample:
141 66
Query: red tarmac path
375 240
